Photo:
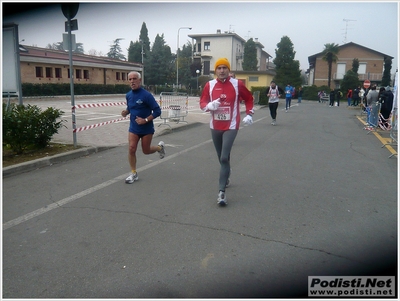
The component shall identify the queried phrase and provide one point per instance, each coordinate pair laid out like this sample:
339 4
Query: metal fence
174 107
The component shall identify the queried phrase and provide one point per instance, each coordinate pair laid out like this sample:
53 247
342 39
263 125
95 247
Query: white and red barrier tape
96 105
98 124
110 104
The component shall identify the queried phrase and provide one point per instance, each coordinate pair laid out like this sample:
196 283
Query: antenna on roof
345 34
230 28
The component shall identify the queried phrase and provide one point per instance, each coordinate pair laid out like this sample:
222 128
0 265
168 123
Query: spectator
331 98
300 95
349 96
356 97
339 95
387 103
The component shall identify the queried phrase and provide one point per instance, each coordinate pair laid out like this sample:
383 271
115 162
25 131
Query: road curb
48 161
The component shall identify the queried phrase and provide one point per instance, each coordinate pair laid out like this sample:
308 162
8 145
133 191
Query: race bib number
222 114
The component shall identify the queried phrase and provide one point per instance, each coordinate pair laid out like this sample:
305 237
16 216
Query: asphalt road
314 195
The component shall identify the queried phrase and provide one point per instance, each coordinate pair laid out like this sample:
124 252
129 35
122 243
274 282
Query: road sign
70 10
74 25
367 83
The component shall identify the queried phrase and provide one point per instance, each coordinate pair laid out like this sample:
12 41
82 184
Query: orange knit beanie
222 61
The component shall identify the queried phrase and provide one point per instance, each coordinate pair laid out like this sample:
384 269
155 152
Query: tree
60 46
329 54
350 81
159 64
250 56
355 65
144 38
287 68
386 72
184 64
135 52
116 51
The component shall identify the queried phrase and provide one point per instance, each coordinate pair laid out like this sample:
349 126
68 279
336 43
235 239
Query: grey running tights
223 142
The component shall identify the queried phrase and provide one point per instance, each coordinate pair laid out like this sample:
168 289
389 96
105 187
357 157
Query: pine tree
287 68
135 52
250 56
159 64
386 72
116 51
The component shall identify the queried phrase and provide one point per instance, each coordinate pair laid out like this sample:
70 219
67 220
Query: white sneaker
132 178
162 151
221 198
273 122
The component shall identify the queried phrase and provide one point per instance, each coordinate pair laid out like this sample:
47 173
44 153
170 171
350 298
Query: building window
78 73
206 45
69 73
117 75
86 74
49 72
123 76
253 78
58 72
206 69
39 71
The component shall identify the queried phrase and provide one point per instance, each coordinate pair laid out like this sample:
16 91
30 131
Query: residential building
42 65
208 48
371 64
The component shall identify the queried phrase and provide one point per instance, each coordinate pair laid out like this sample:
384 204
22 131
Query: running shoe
132 178
273 122
221 198
162 151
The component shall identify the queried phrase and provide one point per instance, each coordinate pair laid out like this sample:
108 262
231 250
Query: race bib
222 114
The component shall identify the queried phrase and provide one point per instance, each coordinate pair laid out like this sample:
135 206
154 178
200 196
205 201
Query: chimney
218 31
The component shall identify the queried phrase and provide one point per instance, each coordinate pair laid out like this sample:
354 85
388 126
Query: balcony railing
364 76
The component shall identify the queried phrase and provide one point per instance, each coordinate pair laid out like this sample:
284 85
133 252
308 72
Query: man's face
273 85
134 81
222 72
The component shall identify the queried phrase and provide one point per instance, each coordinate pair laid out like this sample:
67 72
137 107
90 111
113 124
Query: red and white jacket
231 92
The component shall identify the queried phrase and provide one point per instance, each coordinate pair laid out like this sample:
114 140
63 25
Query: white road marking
90 190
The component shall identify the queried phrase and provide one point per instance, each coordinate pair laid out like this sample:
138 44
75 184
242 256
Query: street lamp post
177 56
197 86
142 63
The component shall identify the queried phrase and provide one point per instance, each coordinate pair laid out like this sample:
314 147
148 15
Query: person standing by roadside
372 96
361 95
331 98
387 104
339 95
349 96
356 96
300 95
221 97
288 92
143 108
273 93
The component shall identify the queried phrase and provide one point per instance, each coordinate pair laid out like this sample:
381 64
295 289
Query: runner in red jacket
221 97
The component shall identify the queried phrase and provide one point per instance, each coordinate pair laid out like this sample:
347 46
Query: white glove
248 120
213 105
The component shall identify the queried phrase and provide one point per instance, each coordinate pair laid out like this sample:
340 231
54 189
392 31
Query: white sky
309 25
